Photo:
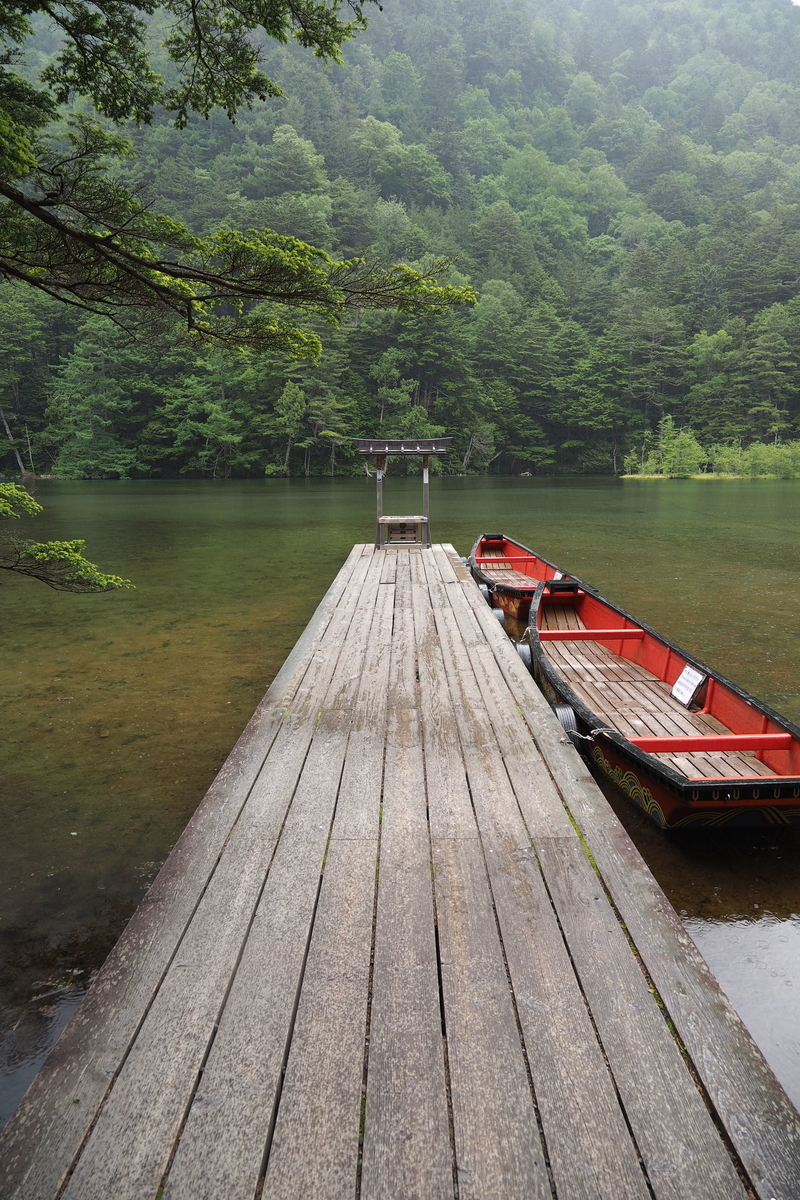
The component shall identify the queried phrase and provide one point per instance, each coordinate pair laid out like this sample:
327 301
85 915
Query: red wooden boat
508 573
688 746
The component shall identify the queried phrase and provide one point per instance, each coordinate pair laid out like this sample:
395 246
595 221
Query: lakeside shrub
680 455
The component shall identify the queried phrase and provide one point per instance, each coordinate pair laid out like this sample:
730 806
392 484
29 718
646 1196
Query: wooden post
425 499
379 463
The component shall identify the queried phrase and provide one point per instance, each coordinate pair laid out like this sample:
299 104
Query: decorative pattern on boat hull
515 605
749 817
629 783
678 812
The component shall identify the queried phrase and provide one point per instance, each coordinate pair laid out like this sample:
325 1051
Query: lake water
118 709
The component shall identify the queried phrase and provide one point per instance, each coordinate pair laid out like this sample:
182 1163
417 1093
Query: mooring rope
585 737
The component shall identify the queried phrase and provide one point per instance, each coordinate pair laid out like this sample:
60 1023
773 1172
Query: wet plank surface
404 949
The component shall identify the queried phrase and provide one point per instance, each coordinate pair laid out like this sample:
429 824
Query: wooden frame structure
406 530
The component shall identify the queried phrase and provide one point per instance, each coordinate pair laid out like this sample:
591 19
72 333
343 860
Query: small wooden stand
402 531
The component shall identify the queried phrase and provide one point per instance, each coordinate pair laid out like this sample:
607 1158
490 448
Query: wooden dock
404 950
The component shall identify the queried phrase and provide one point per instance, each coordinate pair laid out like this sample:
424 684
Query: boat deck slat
587 660
508 576
638 704
501 572
382 963
648 715
562 616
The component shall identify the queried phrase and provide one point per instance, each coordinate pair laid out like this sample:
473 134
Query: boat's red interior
494 552
714 698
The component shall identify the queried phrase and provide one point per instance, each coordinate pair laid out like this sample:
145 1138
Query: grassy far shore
671 452
716 475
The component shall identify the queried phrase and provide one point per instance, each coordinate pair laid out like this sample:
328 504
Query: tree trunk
10 437
30 452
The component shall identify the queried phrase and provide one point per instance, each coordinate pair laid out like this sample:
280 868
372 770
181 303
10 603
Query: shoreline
713 475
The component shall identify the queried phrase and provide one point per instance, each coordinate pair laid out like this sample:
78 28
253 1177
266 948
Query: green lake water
118 709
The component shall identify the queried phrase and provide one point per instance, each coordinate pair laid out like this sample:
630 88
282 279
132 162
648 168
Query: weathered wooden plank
473 724
497 1142
533 786
358 805
155 1085
406 1132
498 1149
683 1153
315 1148
389 568
762 1124
451 815
38 1146
222 1147
451 568
588 1144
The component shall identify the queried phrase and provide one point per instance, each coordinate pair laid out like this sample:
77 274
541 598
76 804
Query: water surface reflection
753 959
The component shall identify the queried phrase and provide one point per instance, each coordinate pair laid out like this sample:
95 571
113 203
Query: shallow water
119 708
757 962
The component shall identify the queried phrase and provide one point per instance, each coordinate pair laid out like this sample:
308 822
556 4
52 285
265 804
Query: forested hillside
619 181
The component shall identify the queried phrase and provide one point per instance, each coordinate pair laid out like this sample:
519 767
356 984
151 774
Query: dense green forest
619 182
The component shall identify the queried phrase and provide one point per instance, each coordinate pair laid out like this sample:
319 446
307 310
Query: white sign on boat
687 685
